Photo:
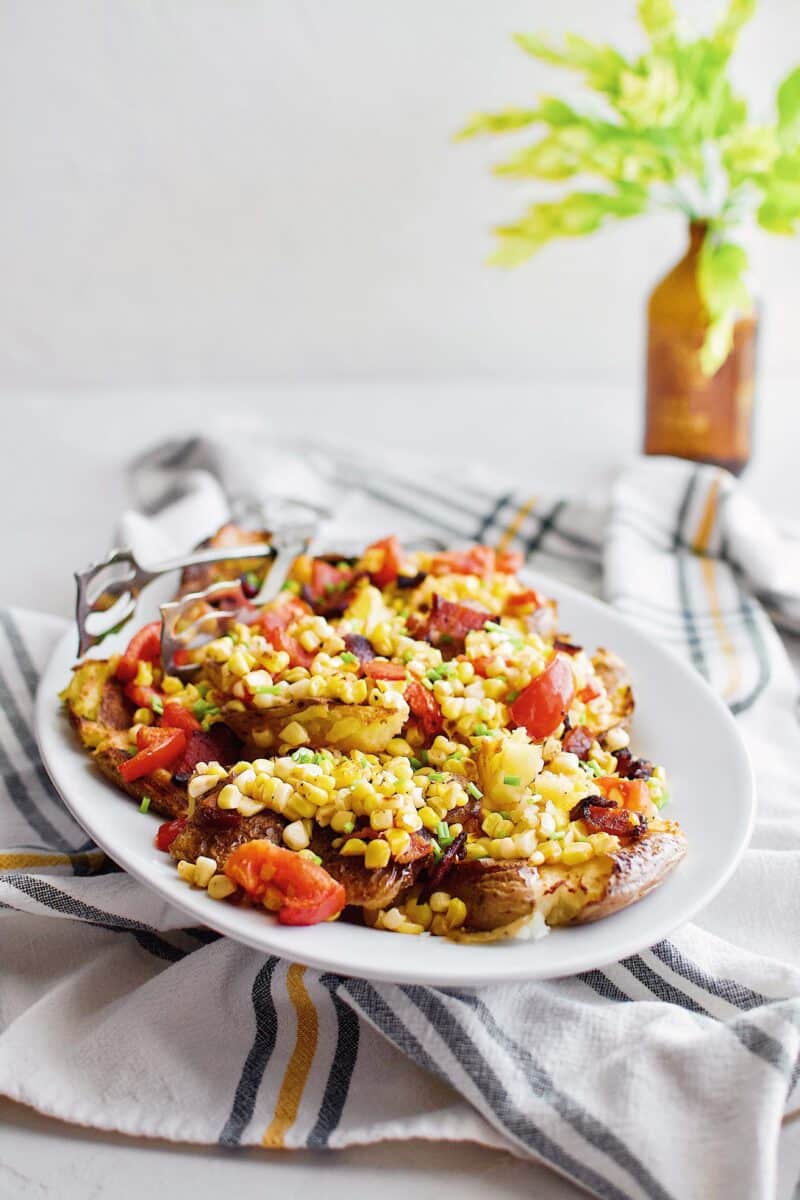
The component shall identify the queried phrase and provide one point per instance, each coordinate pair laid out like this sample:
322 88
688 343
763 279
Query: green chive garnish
347 656
303 755
145 805
437 851
511 697
291 585
511 780
436 777
268 689
157 705
416 763
474 791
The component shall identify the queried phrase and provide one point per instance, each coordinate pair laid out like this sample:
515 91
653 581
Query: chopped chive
349 827
268 689
252 580
442 831
157 705
511 697
474 791
511 780
132 752
145 805
480 731
437 851
416 763
436 777
291 585
593 769
424 757
303 755
347 656
447 841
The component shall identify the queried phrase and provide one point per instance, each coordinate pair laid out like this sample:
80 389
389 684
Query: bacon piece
425 707
361 646
448 624
452 855
629 767
566 647
578 741
530 598
217 744
606 817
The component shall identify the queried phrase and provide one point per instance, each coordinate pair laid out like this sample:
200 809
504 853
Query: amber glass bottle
691 415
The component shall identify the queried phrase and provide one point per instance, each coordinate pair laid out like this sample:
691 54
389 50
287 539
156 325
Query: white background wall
243 190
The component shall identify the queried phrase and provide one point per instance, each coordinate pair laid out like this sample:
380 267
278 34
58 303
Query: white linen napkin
671 1074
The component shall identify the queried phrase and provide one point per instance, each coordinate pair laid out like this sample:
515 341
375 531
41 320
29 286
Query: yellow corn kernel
240 662
295 836
439 902
398 840
381 818
294 734
604 843
409 819
342 822
143 716
204 869
578 852
399 747
354 847
429 818
420 914
456 913
144 674
392 918
229 797
377 854
249 808
475 850
219 887
171 685
550 851
465 672
408 927
186 871
439 925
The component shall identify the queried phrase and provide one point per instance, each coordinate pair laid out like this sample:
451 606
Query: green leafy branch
671 131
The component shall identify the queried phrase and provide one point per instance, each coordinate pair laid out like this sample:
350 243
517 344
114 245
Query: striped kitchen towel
673 1073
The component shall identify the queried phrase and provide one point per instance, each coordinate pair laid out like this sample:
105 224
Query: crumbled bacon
447 624
629 767
578 741
361 646
451 855
217 744
425 707
566 647
602 816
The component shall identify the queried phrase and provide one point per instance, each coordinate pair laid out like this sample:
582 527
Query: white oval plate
679 722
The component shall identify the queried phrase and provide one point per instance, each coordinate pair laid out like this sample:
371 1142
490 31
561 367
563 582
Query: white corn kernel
204 869
219 887
295 836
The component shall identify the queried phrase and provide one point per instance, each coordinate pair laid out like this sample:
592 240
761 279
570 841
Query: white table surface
62 485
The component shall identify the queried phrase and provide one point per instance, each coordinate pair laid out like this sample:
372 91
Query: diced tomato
588 693
448 624
177 716
168 832
141 696
477 560
578 741
530 598
157 748
508 561
633 794
482 664
327 579
306 892
144 646
376 669
542 706
217 744
389 569
275 620
425 707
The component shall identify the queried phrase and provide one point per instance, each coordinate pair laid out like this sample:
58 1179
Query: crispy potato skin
365 888
197 839
501 893
344 727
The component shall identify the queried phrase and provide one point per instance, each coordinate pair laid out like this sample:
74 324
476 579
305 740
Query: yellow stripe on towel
516 522
708 569
299 1066
19 861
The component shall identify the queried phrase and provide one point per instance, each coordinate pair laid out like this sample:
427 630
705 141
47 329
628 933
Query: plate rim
51 727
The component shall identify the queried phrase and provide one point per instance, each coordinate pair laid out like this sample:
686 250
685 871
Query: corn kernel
219 887
342 822
439 902
143 716
171 685
204 869
144 674
398 840
186 871
229 797
381 818
578 852
377 854
392 918
354 847
295 836
294 734
456 913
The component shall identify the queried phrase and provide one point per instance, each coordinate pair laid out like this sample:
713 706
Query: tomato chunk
544 703
275 620
603 818
391 558
176 716
509 561
520 601
477 560
328 580
157 748
168 832
633 794
144 646
305 892
140 695
384 670
425 707
217 744
590 692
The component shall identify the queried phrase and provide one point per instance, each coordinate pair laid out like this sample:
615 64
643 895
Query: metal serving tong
108 593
